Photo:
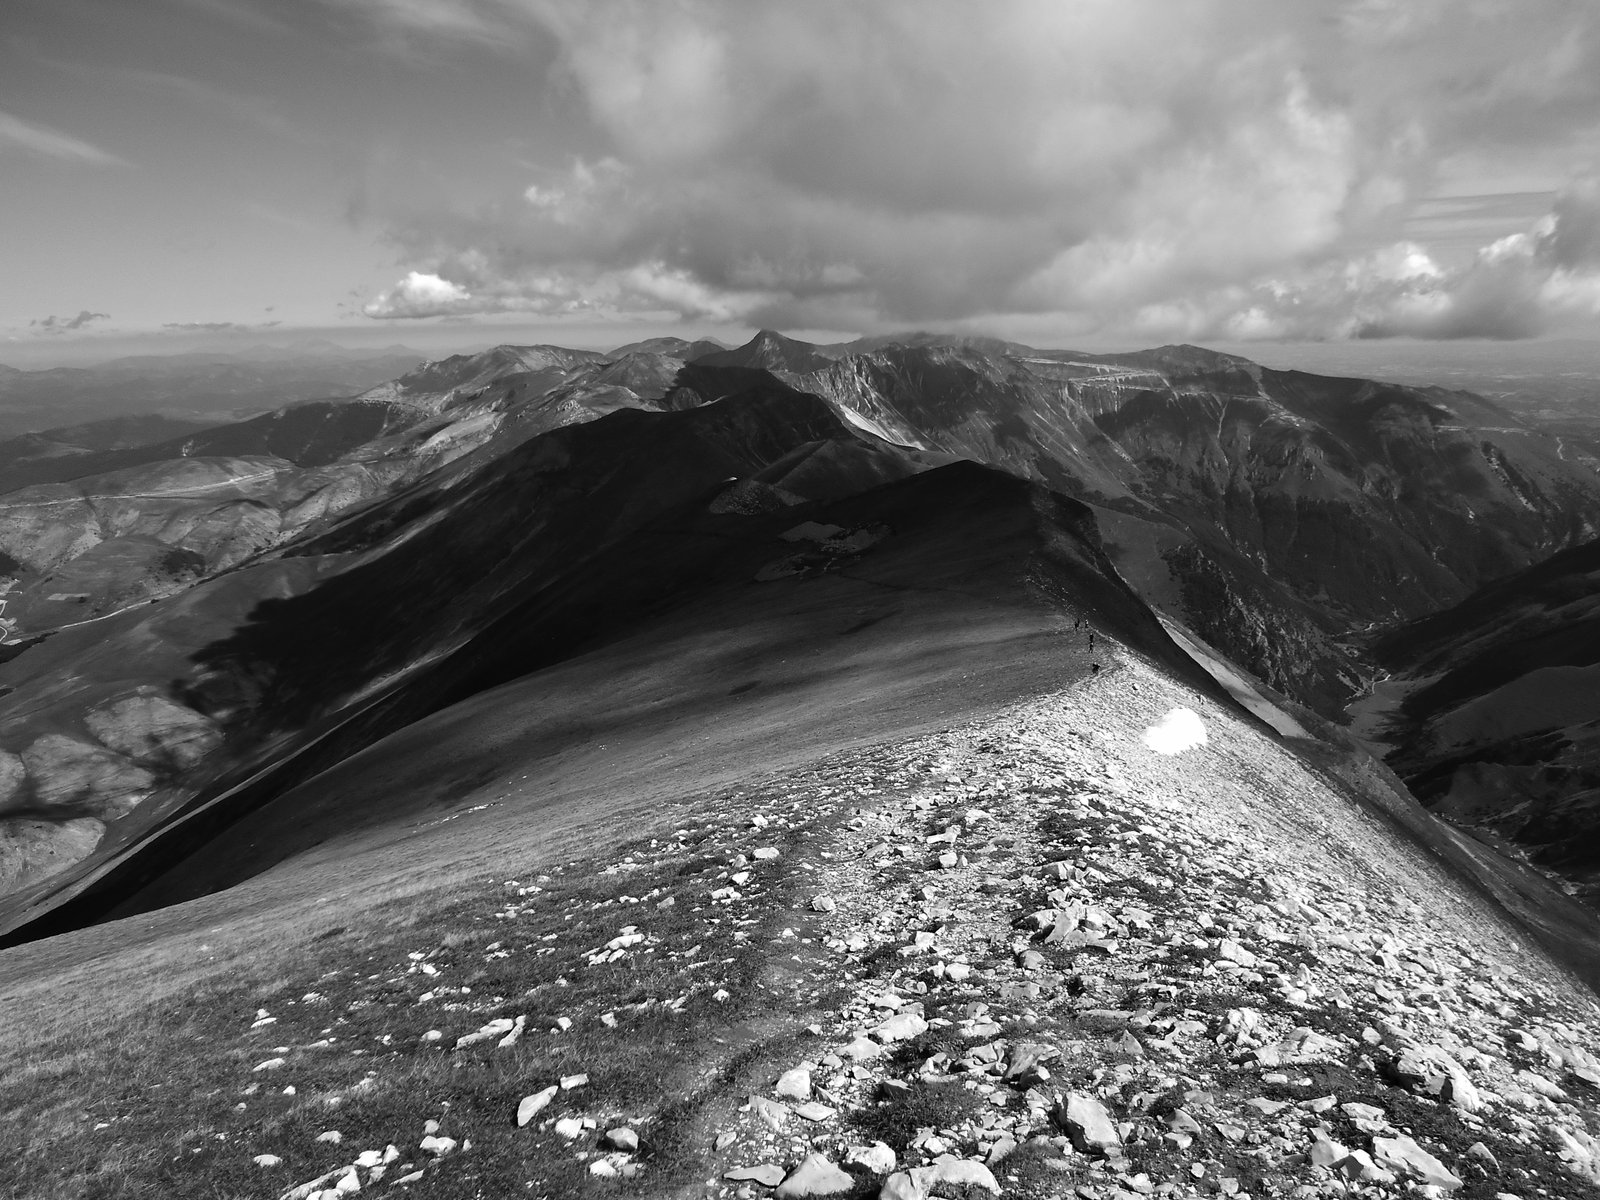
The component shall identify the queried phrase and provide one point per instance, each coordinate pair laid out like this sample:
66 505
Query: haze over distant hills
206 387
1552 382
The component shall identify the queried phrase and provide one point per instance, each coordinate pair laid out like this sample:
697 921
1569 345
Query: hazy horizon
1363 356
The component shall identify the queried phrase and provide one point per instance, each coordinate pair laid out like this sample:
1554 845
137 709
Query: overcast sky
576 170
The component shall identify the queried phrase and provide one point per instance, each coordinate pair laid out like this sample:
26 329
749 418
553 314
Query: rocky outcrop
64 782
13 775
32 850
66 775
155 732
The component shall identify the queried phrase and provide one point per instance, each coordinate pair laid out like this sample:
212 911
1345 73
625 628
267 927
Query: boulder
1086 1121
878 1158
1358 1165
900 1027
622 1138
766 1174
795 1083
1403 1156
963 1173
815 1176
533 1105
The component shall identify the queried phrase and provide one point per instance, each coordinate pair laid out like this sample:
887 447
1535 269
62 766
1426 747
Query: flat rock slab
900 1027
816 1176
1089 1125
533 1105
766 1174
1404 1157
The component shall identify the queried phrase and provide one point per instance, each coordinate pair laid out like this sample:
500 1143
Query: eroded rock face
154 731
31 850
88 780
12 777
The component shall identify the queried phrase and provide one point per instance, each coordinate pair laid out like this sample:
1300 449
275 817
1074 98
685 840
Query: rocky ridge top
1029 956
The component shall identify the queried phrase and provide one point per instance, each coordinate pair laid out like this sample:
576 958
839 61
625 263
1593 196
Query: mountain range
200 623
913 767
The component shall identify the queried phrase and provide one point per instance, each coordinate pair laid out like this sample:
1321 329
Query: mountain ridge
1166 446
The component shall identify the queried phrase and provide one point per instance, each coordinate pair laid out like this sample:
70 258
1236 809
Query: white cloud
940 161
17 134
420 294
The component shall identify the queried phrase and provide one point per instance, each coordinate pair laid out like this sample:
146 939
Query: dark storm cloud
55 324
1216 167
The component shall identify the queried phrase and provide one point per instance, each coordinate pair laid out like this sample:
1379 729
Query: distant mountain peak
772 351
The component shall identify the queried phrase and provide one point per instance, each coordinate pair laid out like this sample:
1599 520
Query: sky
177 173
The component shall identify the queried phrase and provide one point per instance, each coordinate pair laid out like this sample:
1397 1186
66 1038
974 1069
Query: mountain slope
325 606
1493 711
360 627
312 434
750 929
714 792
1262 508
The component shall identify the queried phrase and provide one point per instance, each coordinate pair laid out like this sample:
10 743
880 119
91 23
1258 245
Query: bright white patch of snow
862 421
1176 732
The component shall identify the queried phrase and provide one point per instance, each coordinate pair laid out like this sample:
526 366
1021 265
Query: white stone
795 1084
622 1138
900 1027
1404 1157
815 1176
533 1105
1088 1124
878 1158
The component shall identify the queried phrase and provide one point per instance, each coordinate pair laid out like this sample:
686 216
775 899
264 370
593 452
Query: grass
707 1011
897 1117
164 1098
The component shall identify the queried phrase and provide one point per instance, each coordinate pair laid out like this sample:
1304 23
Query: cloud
1544 279
420 294
54 324
218 326
17 134
922 161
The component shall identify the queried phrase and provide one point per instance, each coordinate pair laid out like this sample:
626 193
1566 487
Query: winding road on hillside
198 489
